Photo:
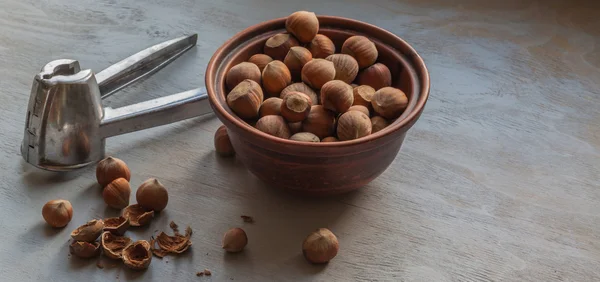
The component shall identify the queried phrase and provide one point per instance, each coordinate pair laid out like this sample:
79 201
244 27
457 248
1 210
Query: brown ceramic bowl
319 169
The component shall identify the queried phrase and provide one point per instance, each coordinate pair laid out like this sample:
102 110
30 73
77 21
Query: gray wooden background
498 180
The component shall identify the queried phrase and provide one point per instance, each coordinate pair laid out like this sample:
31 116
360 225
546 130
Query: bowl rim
417 61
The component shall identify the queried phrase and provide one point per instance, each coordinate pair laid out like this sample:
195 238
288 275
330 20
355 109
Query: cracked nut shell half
138 215
84 249
113 245
137 255
88 232
116 225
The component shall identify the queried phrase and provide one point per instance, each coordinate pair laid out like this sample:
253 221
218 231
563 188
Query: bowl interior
400 61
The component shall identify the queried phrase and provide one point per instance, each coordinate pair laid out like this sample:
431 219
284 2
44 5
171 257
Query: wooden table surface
497 181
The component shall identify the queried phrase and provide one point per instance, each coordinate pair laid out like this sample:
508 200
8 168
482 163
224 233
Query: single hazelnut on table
274 125
318 72
320 246
305 137
320 122
346 67
116 194
260 60
152 195
330 139
276 77
389 102
353 125
337 96
279 45
85 249
241 71
363 95
222 142
303 88
303 25
88 232
361 109
378 123
245 99
321 46
295 59
138 215
362 49
137 255
234 240
57 213
295 127
376 76
271 106
110 169
295 106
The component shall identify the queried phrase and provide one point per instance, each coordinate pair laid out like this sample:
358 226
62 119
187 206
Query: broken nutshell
137 255
138 215
113 245
116 225
84 249
88 232
177 243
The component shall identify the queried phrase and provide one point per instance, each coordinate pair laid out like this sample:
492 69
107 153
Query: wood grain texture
497 181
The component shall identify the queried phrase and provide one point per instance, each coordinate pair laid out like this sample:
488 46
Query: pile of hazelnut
300 89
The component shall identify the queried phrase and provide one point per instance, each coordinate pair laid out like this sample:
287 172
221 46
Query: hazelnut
222 142
361 109
110 169
260 60
295 127
378 123
278 46
303 88
330 139
152 195
305 137
363 95
137 255
389 102
113 245
362 49
376 76
336 96
321 46
57 213
274 125
138 215
271 106
295 106
85 249
116 225
88 232
318 72
245 99
353 125
346 67
320 122
235 240
302 24
116 194
241 71
276 77
320 246
295 59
